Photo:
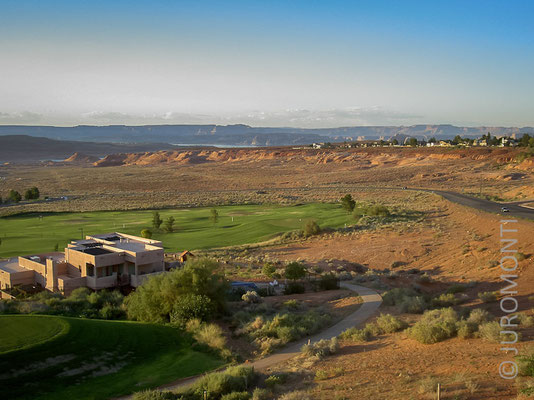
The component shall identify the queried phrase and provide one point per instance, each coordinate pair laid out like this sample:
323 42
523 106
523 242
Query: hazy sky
278 63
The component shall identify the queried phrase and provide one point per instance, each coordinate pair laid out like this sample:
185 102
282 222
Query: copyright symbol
508 370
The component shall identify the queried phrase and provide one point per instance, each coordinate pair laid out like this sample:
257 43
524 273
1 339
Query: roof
11 266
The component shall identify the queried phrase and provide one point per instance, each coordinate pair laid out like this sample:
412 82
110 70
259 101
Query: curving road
371 302
515 210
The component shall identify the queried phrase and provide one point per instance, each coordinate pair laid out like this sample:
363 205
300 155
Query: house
97 262
185 255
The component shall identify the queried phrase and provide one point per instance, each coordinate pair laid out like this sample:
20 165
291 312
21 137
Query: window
90 269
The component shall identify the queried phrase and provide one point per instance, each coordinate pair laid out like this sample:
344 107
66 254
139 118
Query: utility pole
81 229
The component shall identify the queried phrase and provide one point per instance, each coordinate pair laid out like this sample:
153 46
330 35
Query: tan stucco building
97 262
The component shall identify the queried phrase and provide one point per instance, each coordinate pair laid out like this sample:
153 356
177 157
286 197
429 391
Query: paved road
371 302
485 205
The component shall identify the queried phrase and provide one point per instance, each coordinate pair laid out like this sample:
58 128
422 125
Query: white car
504 209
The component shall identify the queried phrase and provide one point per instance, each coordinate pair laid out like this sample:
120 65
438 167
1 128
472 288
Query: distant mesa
80 158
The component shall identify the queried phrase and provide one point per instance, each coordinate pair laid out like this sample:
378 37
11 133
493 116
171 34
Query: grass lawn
30 233
93 359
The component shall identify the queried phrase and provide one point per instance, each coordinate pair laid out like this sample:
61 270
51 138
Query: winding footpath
371 303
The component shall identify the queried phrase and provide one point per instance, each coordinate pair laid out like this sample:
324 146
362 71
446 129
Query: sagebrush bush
297 395
413 305
218 384
153 395
488 297
435 326
525 321
277 379
210 335
321 349
387 323
357 335
479 316
395 296
236 396
466 329
251 297
261 394
445 300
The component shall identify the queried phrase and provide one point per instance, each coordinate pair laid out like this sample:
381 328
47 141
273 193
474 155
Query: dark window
90 268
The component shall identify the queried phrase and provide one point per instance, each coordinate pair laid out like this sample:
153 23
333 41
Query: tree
156 220
395 142
180 291
32 193
432 140
214 215
169 224
412 142
348 203
14 196
531 142
146 233
457 140
311 228
294 271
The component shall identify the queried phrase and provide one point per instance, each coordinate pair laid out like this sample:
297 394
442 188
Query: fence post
439 391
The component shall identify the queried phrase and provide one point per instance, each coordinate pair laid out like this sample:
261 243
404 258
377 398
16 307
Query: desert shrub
146 233
270 332
397 264
261 394
328 282
413 305
395 296
357 335
191 306
428 386
268 270
479 316
445 300
218 384
435 326
277 379
156 298
526 362
466 329
387 323
294 288
297 395
520 256
321 375
153 395
236 396
291 304
425 278
311 228
488 297
456 288
493 332
251 297
471 386
526 321
210 335
321 349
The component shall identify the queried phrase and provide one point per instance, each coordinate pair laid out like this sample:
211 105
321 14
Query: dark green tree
395 142
14 196
295 271
168 226
412 142
348 203
214 215
156 220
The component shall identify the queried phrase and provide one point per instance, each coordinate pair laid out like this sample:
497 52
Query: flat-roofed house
96 262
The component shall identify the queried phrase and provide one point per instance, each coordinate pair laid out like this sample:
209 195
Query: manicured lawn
28 233
20 333
95 359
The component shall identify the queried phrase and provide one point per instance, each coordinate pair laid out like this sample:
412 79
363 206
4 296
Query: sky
267 63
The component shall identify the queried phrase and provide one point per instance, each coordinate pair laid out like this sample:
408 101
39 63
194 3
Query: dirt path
371 302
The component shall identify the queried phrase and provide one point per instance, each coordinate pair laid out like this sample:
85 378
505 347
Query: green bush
445 300
311 228
488 297
191 306
321 349
218 384
479 316
357 335
295 271
456 288
153 395
413 305
236 396
294 288
261 394
435 326
154 301
492 332
397 295
210 335
277 379
328 282
387 323
466 329
268 270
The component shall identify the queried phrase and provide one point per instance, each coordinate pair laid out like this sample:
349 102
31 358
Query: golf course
49 357
193 228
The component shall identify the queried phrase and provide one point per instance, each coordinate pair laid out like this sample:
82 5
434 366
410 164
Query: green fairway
36 233
21 333
94 359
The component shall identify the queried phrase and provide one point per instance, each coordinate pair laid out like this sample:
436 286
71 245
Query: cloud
298 118
24 117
